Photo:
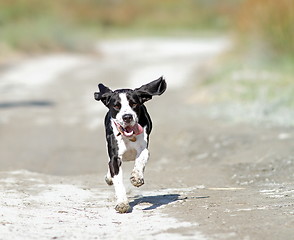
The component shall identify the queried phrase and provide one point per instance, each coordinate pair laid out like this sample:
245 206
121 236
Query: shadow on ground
159 200
41 103
155 201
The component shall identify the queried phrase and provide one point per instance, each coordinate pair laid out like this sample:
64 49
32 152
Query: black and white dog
127 126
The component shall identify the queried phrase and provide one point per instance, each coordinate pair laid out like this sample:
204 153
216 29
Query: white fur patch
125 109
119 187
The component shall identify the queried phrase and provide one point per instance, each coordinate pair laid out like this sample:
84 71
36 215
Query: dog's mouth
129 131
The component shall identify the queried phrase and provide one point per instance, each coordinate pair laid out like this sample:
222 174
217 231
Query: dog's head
125 104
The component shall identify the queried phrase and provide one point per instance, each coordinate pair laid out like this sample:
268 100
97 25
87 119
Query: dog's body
127 127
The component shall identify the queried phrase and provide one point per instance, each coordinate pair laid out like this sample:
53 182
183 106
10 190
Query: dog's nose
127 118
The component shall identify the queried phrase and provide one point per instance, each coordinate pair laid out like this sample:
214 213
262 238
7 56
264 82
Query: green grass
268 82
36 25
44 34
30 25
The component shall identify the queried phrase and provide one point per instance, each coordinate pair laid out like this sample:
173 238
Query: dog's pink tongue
138 129
130 131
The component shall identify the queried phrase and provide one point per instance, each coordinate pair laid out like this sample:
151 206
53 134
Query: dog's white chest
129 150
129 155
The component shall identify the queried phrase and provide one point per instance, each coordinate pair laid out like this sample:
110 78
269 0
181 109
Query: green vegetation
37 24
259 71
41 24
34 25
268 22
261 67
269 83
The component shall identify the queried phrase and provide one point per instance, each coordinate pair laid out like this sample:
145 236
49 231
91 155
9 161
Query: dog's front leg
115 175
108 178
122 205
137 176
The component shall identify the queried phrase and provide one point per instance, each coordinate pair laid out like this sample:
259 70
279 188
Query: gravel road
207 178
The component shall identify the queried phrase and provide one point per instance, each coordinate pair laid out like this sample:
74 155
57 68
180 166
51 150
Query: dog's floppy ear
104 94
147 91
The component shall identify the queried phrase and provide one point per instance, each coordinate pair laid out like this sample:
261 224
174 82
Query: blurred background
251 80
260 62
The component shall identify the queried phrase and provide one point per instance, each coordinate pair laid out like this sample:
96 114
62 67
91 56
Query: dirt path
206 179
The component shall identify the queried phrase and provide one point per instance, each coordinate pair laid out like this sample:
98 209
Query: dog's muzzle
129 131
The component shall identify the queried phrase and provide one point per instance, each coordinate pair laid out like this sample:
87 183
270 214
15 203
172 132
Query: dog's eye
116 107
133 105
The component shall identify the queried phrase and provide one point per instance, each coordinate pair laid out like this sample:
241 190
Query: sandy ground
207 178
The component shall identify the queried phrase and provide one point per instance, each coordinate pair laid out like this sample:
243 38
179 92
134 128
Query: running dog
127 127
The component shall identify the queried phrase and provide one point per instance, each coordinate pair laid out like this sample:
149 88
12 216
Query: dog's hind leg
137 176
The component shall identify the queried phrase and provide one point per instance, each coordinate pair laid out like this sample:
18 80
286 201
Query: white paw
122 207
136 179
108 180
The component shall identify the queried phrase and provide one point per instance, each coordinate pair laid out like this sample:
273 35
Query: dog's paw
108 180
136 179
122 207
